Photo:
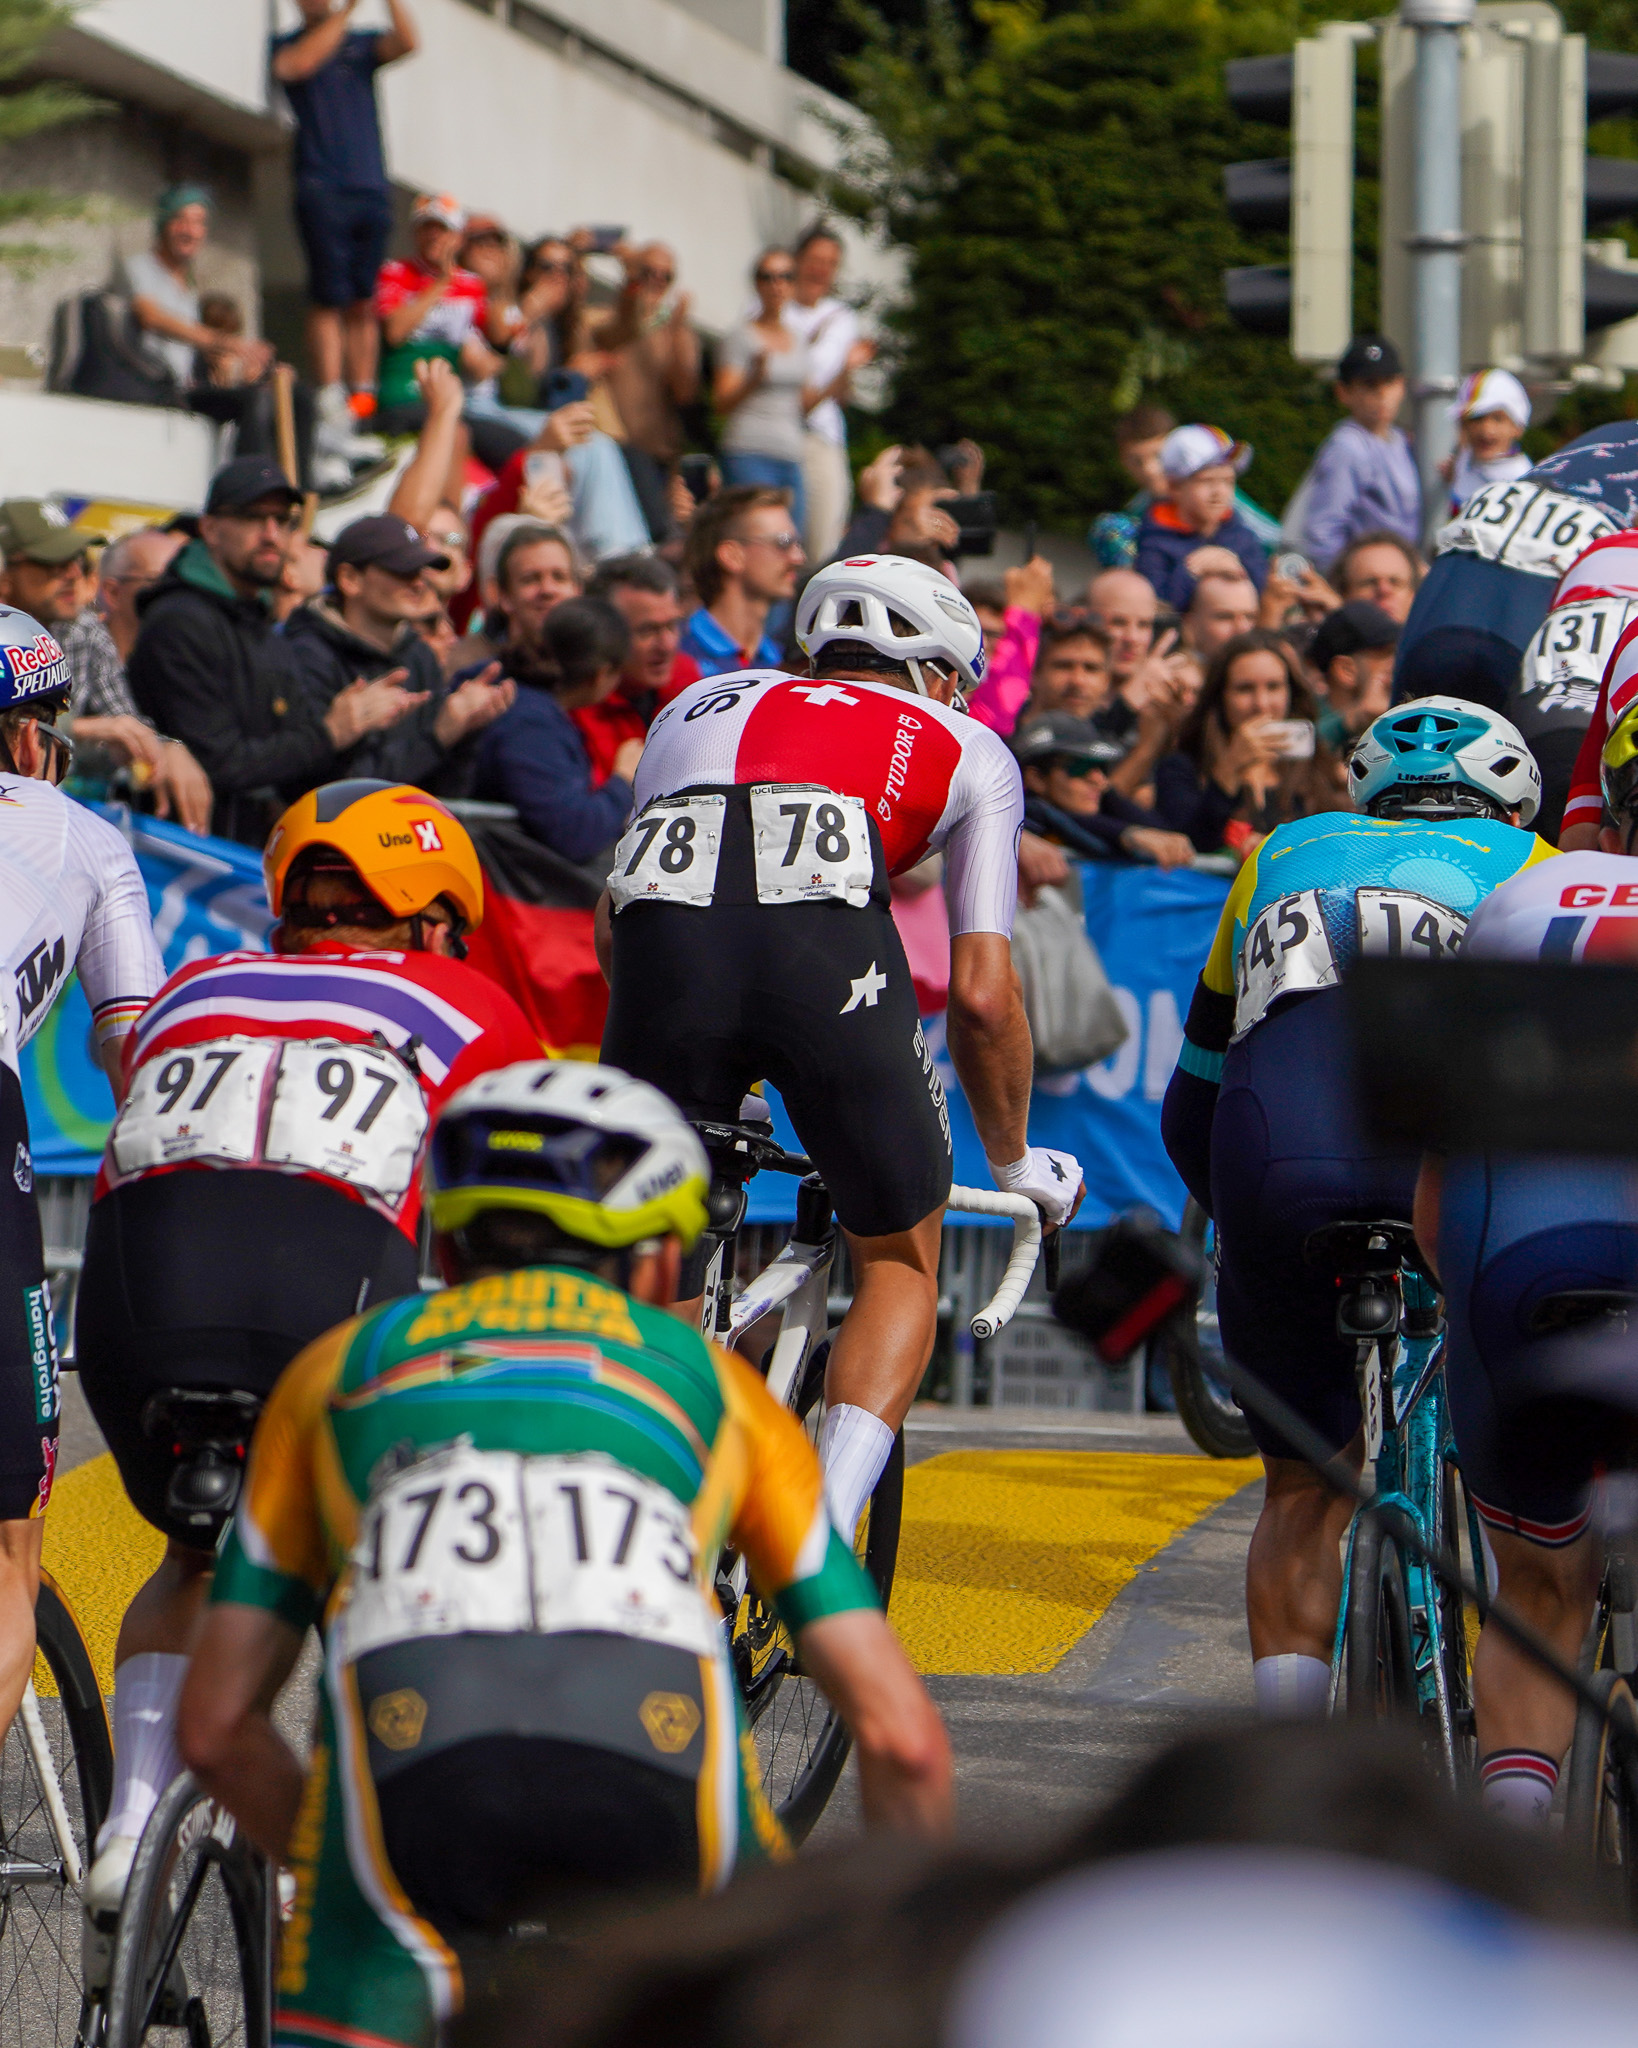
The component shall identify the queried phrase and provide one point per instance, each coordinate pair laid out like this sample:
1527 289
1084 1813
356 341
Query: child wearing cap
1491 411
1364 478
1200 465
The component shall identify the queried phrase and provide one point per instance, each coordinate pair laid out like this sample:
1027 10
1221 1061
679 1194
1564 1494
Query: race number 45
1286 949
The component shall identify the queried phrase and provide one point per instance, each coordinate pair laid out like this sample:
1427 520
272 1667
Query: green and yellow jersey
530 1452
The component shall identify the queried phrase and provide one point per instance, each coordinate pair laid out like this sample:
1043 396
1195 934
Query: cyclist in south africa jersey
504 1505
1259 1117
748 936
262 1182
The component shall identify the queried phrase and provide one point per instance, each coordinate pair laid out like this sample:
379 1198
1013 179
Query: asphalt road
1071 1586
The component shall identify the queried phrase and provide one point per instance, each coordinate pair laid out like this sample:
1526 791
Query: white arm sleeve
981 852
119 962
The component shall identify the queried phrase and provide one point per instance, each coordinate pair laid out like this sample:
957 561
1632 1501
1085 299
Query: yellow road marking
99 1550
1007 1558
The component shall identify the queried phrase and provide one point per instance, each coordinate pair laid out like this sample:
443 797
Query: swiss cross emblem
826 693
426 833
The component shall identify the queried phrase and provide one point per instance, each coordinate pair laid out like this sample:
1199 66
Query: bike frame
1408 1425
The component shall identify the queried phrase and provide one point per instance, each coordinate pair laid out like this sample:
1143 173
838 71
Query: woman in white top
763 390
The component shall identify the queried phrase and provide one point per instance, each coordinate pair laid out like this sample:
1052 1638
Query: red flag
536 937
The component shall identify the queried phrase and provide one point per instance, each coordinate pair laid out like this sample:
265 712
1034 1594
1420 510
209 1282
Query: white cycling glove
1051 1179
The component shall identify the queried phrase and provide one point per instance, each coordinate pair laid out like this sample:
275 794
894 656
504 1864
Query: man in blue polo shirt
744 554
343 203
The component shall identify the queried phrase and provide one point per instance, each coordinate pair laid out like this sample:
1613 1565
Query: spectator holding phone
765 388
1182 531
1248 757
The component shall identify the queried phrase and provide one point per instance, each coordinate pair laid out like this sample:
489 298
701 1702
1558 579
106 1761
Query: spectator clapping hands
366 707
472 705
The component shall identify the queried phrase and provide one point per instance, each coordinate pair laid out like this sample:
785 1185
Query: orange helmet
407 847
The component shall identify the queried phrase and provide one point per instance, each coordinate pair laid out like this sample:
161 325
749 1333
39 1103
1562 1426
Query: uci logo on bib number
810 844
1522 526
1286 948
669 854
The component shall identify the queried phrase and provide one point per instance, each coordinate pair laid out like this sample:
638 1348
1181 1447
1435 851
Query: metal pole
1437 244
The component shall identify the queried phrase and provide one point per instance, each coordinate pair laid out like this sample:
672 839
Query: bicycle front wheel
1381 1666
1600 1815
192 1958
56 1774
801 1741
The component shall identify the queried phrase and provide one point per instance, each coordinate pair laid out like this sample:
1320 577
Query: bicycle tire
802 1742
1453 1610
1600 1816
1381 1668
1205 1406
192 1962
43 1999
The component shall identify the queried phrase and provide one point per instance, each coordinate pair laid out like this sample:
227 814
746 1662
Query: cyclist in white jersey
71 900
752 939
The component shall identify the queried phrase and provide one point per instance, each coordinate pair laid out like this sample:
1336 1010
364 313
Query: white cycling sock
1519 1785
1292 1687
146 1758
854 1447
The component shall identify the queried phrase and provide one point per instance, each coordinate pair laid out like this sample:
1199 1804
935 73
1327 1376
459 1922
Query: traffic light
1532 295
1310 193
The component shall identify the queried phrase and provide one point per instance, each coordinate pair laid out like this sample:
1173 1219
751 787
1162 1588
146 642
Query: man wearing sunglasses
209 668
71 902
743 555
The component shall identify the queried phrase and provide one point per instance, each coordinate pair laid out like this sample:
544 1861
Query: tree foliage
26 110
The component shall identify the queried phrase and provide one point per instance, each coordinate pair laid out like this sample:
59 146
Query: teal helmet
1440 757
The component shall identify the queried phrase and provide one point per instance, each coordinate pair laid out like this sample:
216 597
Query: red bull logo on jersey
35 668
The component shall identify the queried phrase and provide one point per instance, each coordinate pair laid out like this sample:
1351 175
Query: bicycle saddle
1364 1251
201 1418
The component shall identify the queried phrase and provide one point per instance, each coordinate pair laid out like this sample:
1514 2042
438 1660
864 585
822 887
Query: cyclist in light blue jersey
1259 1116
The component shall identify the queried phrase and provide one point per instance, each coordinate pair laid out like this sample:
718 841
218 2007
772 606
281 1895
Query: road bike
189 1961
1401 1642
56 1778
780 1318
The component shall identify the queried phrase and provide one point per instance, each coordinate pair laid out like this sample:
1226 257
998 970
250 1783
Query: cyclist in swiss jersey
1538 1259
1259 1116
752 939
504 1505
72 901
261 1184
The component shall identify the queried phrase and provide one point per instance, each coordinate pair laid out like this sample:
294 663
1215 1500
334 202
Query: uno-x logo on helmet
426 835
36 668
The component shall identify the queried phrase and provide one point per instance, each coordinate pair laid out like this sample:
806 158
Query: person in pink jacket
1000 698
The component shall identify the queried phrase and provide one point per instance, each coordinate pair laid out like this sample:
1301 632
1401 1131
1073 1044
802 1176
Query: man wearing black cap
209 669
1364 477
1065 762
363 626
1353 650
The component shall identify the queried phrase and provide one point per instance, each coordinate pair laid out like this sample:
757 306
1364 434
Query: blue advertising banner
207 897
1153 931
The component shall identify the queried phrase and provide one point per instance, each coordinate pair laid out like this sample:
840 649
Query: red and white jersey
933 779
1608 568
1581 906
1616 696
450 1021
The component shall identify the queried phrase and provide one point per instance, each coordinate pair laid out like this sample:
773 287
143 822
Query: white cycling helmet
1440 757
609 1159
903 609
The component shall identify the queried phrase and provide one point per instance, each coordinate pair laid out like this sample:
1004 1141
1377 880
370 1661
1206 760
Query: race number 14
1394 924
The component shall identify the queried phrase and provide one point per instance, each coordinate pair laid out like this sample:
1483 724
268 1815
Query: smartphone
1168 619
1295 737
565 387
605 239
978 519
695 471
1292 566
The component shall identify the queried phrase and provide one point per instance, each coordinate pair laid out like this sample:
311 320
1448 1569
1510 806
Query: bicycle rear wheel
1600 1815
192 1958
1381 1667
56 1774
